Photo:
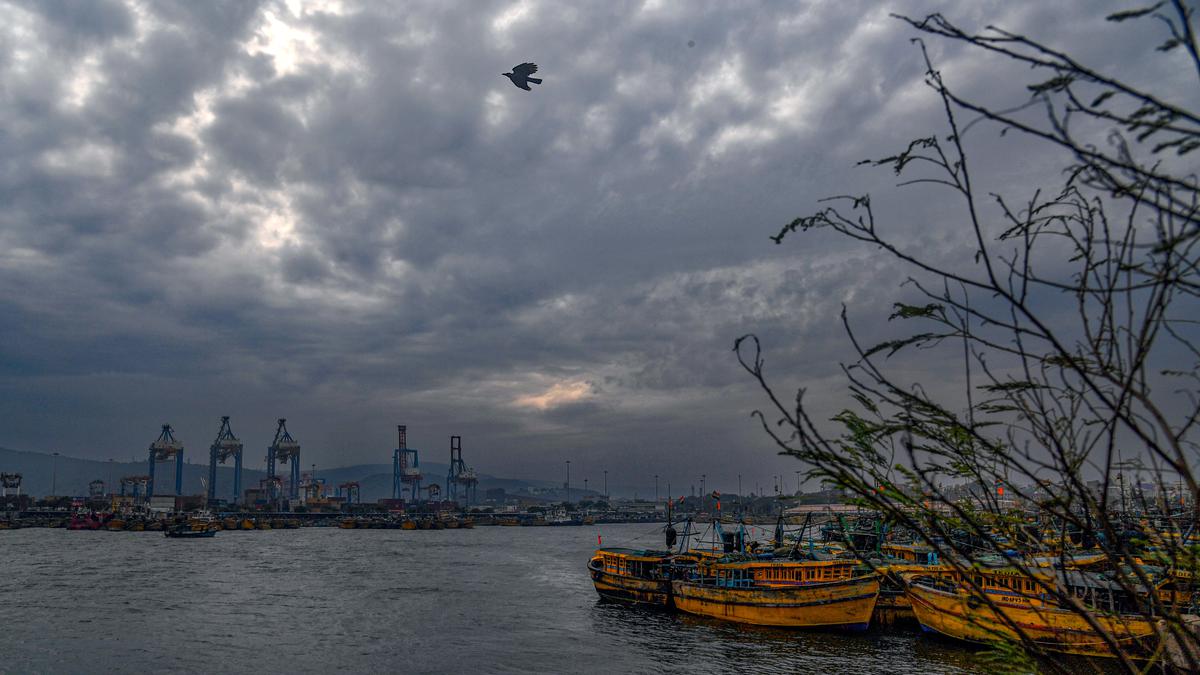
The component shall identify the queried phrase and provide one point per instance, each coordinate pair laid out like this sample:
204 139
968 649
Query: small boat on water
952 605
794 594
635 576
190 530
84 522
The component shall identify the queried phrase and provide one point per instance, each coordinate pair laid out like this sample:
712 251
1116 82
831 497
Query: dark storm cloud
343 214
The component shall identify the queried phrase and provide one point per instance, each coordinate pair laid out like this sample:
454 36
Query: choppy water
488 600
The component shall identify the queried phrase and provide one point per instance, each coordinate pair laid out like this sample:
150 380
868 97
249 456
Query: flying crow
520 75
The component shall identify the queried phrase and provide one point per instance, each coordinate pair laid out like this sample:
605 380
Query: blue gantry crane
460 473
163 449
138 483
406 468
352 491
284 449
225 446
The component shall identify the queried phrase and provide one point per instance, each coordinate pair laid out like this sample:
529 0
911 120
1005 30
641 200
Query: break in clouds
343 214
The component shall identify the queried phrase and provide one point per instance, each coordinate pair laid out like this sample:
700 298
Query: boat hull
960 616
190 534
631 590
847 604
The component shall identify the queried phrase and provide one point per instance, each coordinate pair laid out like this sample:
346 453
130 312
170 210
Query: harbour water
488 600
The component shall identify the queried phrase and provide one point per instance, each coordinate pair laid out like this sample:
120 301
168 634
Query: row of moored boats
804 584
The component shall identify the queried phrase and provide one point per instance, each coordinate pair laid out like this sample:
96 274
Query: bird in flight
520 76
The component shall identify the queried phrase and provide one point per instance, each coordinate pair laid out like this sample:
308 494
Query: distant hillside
43 474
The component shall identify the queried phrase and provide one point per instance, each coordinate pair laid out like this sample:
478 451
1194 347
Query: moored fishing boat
191 530
797 594
949 604
84 522
635 576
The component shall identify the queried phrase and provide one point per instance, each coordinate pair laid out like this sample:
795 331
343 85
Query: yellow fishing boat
115 525
946 603
634 576
247 524
408 524
799 594
348 524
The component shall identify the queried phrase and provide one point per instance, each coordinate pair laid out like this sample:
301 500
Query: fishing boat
795 594
408 524
348 524
84 522
635 576
950 604
190 530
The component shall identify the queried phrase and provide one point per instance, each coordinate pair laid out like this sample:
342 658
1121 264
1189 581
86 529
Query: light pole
606 485
585 486
702 492
54 475
111 491
797 482
655 488
568 481
739 486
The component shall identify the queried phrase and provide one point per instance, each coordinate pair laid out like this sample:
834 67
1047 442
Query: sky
342 214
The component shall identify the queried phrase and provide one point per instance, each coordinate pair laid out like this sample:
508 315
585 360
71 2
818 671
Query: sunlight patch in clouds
560 393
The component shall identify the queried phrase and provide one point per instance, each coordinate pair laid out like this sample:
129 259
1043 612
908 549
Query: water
488 600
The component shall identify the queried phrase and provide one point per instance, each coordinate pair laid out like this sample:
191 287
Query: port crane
313 487
225 446
460 474
272 486
352 491
10 481
406 468
164 448
138 483
284 449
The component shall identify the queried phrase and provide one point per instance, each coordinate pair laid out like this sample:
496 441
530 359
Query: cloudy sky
342 214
